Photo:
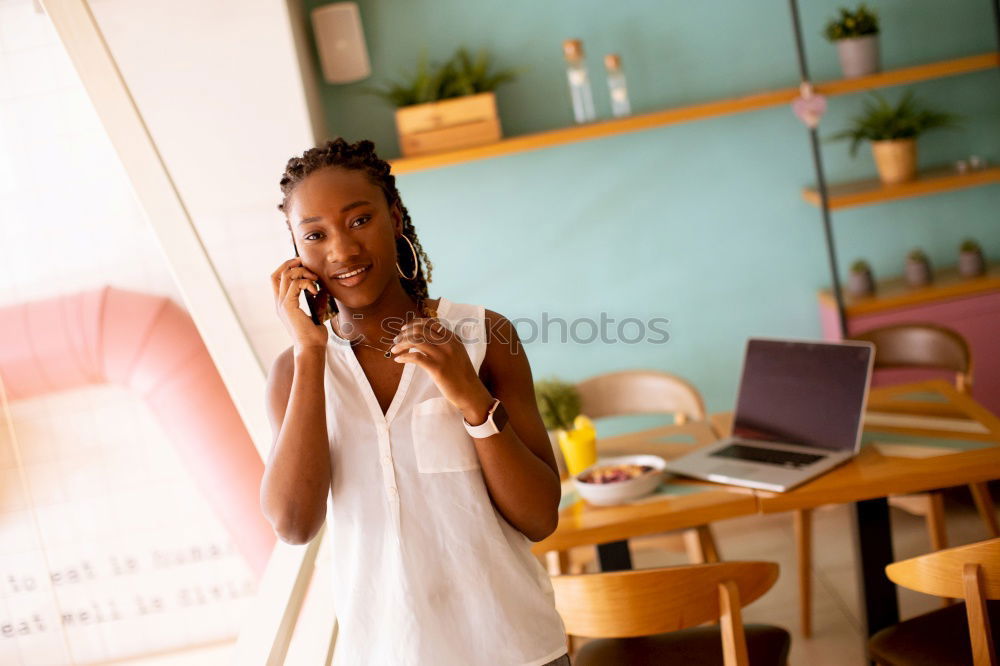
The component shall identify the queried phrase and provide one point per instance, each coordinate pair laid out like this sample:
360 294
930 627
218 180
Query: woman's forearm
523 487
297 475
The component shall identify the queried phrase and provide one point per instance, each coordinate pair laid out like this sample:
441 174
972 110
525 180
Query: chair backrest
971 572
640 392
922 346
623 604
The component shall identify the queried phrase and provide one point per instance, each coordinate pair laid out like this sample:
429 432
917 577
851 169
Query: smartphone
311 299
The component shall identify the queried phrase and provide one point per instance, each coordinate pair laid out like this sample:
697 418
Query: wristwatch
496 419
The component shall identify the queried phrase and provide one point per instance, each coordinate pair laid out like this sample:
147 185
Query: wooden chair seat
938 638
959 634
700 646
657 616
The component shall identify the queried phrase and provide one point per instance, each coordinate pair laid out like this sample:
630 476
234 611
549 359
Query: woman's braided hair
360 156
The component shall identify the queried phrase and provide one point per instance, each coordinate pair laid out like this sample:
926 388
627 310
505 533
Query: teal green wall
700 223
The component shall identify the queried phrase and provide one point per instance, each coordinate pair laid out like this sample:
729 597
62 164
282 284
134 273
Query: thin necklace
385 352
426 312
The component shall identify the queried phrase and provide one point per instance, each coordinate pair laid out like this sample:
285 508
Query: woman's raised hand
434 347
288 282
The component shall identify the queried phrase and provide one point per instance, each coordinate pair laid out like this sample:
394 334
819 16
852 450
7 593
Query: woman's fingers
429 328
300 276
296 287
289 290
288 282
424 335
428 349
276 280
415 357
285 265
293 266
281 268
283 281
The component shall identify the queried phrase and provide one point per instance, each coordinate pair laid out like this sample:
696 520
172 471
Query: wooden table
923 412
681 504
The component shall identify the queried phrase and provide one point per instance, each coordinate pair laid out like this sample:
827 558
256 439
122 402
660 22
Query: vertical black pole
831 251
872 528
824 196
800 49
996 20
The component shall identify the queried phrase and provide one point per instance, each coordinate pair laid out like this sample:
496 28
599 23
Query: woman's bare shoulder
503 346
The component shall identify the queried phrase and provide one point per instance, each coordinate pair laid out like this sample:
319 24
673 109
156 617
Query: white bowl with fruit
620 479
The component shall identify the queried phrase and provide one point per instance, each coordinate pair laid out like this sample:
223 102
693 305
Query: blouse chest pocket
440 441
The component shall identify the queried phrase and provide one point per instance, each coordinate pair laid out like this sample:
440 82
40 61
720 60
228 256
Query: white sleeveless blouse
426 571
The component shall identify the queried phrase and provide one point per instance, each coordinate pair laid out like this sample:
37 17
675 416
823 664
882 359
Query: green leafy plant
862 21
917 254
861 266
462 74
558 403
881 121
969 245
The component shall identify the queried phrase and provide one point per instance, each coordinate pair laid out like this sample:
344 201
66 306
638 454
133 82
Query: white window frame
267 632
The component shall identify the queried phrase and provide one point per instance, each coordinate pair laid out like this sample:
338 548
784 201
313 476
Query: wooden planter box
448 125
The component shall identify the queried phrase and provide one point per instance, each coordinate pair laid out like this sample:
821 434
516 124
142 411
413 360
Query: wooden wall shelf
894 293
643 121
931 181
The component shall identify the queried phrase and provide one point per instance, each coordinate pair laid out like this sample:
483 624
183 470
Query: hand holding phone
290 280
313 300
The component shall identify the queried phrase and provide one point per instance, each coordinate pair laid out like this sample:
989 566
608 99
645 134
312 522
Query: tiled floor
837 638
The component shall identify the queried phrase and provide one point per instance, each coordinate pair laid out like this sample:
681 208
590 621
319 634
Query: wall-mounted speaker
341 42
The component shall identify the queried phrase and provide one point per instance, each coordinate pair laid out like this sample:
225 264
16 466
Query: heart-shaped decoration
809 109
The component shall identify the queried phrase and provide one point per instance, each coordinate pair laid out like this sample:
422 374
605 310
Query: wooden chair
642 392
651 616
926 346
958 634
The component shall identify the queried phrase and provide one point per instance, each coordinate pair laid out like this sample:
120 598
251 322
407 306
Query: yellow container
579 445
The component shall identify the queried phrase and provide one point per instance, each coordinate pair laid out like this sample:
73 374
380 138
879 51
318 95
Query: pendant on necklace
388 354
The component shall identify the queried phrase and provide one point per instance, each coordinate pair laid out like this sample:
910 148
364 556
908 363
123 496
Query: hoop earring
416 265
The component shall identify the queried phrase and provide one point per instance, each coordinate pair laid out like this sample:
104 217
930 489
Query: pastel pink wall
977 318
151 345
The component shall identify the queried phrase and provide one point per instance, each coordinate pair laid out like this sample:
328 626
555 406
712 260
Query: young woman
418 417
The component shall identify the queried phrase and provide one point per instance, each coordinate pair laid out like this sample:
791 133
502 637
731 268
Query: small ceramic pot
971 263
860 284
859 56
918 273
896 160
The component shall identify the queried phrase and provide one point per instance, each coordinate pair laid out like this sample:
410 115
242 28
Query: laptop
799 414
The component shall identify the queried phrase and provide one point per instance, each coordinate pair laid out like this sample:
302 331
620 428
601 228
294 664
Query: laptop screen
806 393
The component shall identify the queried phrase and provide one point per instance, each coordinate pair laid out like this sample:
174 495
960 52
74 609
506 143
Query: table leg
614 556
873 544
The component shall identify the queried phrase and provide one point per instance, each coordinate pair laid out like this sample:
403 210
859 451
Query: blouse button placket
388 471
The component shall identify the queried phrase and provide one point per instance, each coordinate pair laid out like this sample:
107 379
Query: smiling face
345 232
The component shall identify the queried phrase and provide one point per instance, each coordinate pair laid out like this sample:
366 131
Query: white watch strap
486 429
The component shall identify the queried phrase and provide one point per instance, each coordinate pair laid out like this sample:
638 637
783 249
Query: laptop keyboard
767 456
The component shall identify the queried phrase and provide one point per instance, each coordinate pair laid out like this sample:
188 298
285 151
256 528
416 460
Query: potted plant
970 259
447 106
893 131
856 36
918 269
559 405
860 282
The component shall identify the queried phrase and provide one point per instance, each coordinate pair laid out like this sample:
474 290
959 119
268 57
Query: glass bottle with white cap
616 85
579 81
